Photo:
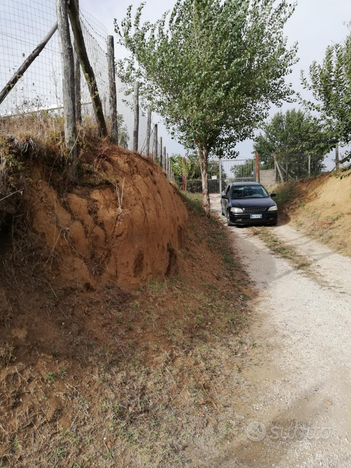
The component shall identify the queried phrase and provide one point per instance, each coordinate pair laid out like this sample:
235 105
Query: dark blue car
248 203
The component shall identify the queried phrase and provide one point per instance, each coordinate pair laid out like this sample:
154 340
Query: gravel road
296 408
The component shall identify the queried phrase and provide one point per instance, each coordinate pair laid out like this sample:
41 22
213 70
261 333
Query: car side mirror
272 195
225 196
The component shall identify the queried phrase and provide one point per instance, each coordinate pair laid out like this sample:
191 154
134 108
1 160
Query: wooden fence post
136 117
337 163
169 167
154 151
77 87
161 153
148 131
26 64
184 176
86 67
220 174
68 85
112 89
257 169
77 84
164 158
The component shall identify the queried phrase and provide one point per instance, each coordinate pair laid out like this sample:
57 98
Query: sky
314 25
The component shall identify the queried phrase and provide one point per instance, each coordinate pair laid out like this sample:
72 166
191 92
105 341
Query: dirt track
296 408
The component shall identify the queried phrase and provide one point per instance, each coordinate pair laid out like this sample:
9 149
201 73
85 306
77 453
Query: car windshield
249 191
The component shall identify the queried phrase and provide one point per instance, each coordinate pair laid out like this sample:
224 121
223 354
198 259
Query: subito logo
256 431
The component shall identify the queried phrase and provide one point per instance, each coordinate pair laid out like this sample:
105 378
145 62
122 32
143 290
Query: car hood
248 202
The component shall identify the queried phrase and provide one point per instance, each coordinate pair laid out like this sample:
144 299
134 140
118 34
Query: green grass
286 193
193 201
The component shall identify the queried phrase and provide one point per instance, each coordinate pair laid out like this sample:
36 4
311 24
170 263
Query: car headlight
273 208
236 210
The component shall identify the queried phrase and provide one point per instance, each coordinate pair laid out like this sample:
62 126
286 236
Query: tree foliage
211 69
292 137
190 167
123 137
330 84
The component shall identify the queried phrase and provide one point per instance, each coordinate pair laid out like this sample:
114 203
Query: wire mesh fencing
23 25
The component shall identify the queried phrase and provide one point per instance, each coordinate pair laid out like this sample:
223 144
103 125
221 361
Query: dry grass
106 378
284 250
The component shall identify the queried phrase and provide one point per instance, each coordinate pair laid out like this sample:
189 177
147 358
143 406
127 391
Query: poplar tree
211 69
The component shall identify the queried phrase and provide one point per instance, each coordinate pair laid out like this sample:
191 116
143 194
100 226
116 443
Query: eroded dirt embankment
99 237
123 223
322 207
92 374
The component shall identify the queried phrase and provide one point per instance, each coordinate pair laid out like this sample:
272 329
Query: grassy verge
285 193
282 249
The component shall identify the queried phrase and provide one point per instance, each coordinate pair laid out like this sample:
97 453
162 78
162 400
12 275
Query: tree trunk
203 160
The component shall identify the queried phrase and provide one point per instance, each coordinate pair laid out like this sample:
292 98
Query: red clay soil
116 324
99 238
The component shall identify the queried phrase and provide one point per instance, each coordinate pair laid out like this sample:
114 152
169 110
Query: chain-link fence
23 25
